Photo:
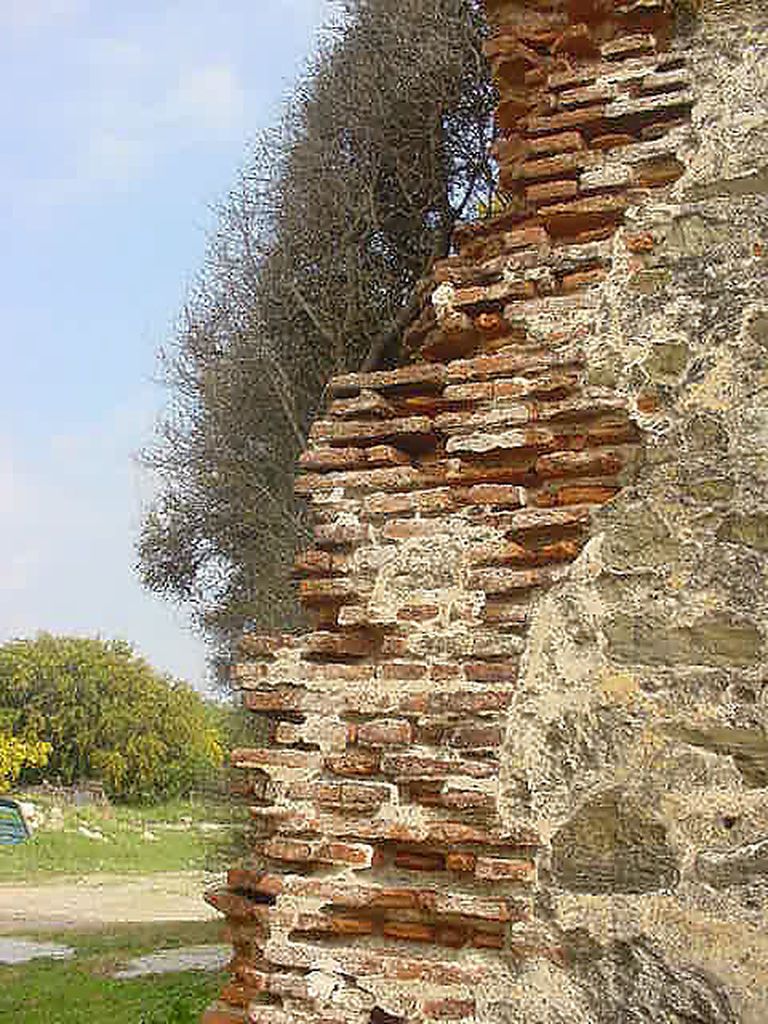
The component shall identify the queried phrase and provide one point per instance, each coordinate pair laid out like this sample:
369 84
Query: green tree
107 715
312 271
16 754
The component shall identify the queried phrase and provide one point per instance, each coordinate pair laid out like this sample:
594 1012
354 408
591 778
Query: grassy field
80 991
180 836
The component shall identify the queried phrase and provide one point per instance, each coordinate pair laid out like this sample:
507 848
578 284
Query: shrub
107 715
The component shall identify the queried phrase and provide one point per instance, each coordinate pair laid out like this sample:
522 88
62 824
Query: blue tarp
13 828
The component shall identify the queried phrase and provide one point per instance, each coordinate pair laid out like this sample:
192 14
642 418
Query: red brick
560 166
454 833
612 141
418 613
648 403
466 800
583 279
260 757
640 243
411 861
344 644
487 367
578 495
495 494
384 733
408 931
656 173
388 504
474 737
354 854
522 238
394 478
414 765
445 670
403 670
487 940
586 95
589 463
551 191
466 701
321 458
497 869
288 850
451 936
464 862
354 763
562 142
351 926
506 612
287 698
492 671
395 899
566 120
405 529
394 647
238 994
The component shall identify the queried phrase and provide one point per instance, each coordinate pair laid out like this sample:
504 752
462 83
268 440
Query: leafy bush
17 753
107 715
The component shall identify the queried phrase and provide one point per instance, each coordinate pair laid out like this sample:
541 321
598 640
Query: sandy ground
99 900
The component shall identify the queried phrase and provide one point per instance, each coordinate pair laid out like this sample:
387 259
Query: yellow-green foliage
108 715
16 754
499 202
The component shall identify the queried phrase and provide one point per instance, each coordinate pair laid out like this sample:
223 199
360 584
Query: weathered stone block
613 844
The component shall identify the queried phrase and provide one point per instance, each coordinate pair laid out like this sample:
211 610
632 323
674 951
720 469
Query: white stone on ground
166 961
21 951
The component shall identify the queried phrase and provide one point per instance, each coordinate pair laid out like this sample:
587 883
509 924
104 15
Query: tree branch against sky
336 215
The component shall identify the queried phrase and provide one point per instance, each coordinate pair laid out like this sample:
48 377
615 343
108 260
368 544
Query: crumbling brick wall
537 583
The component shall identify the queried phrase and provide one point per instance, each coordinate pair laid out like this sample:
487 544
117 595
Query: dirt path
105 899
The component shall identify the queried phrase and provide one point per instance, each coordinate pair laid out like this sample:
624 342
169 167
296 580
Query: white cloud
35 15
107 55
209 98
111 158
126 89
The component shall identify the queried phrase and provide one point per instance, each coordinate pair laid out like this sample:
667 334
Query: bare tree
332 222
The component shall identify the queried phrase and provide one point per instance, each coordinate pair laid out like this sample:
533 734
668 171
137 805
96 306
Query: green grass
79 991
125 848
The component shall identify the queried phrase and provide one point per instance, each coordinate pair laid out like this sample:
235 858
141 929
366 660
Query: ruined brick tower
519 769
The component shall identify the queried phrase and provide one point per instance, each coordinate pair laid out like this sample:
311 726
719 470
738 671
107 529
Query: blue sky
121 124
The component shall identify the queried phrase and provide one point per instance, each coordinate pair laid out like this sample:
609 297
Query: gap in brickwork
382 1017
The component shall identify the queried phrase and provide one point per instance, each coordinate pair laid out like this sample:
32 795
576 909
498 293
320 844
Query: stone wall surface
518 770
